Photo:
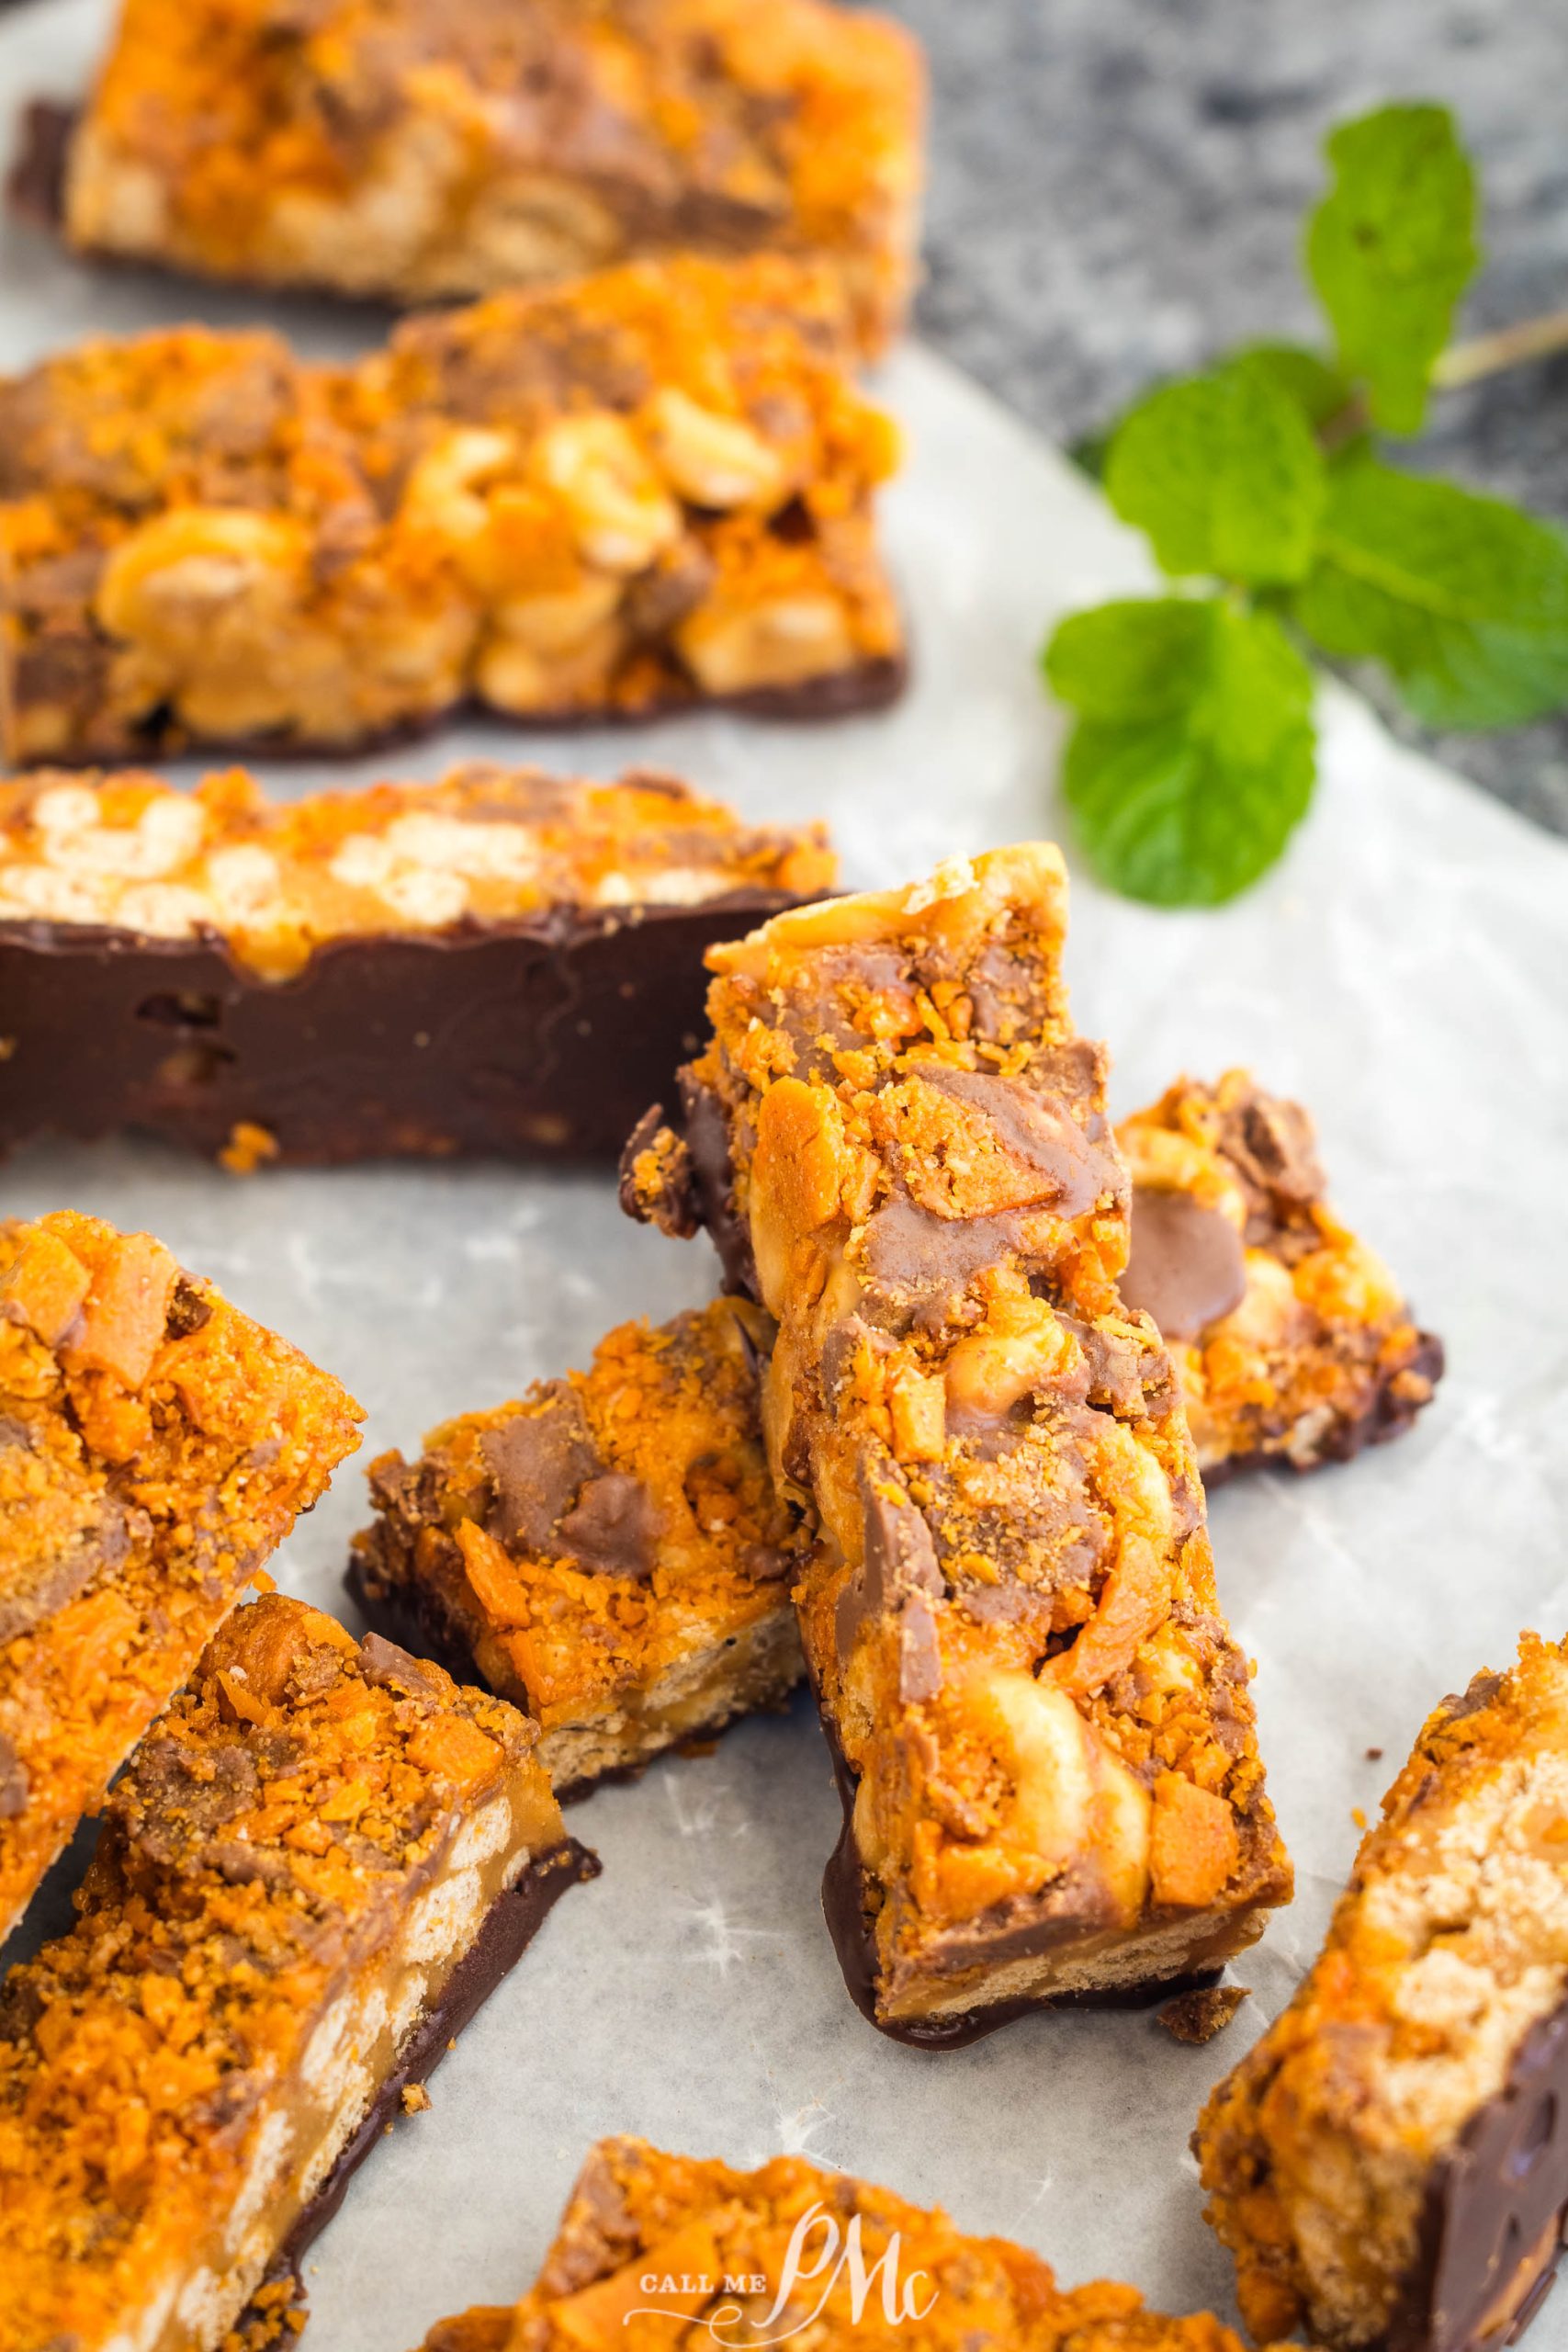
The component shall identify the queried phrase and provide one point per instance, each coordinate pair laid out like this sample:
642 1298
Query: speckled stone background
1116 192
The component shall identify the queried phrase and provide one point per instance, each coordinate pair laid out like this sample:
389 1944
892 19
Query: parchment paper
1404 972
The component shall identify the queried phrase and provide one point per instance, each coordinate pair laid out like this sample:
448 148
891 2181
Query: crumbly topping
1011 1621
259 142
637 2214
584 1536
268 1837
1315 1353
155 1446
276 878
1451 1942
653 483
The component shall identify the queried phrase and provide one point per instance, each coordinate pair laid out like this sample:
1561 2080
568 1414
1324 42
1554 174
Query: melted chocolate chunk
1271 1146
916 1266
1038 1131
552 1494
384 1662
899 1559
612 1527
48 1564
708 1142
1188 1268
539 1463
919 1660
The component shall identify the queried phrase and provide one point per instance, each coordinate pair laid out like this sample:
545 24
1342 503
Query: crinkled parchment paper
1405 972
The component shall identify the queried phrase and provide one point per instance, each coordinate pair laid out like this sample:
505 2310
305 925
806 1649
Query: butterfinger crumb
416 2099
248 1148
1198 2016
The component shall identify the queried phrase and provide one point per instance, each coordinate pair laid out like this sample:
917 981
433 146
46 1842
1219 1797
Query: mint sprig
1263 494
1192 757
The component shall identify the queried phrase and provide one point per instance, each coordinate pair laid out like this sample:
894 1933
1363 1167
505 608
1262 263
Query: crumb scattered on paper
416 2099
1197 2016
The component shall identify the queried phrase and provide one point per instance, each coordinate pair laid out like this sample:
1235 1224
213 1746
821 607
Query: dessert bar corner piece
651 2244
1290 1337
608 1553
416 154
321 1861
1389 2164
501 962
156 1447
643 490
1043 1727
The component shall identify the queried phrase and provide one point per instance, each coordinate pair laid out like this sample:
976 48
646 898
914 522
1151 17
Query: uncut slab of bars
608 1553
653 2246
1043 1727
320 1862
1389 2165
413 151
155 1446
1290 1337
503 962
644 488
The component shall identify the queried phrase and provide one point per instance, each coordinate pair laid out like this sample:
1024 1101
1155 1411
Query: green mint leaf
1193 756
1223 473
1391 249
1465 599
1320 389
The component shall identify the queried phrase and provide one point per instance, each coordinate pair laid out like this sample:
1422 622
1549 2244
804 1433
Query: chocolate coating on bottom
1496 2213
1387 1415
844 1908
511 1924
541 1039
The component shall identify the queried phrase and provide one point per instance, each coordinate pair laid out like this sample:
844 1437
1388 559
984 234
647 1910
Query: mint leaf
1223 473
1391 249
1465 599
1320 389
1193 755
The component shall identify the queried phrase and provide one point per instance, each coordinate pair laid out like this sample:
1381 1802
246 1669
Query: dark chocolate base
1499 2202
509 1925
1386 1417
843 1906
541 1039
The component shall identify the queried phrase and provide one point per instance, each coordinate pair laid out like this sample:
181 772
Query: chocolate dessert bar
1043 1727
1289 1339
1389 2165
500 962
414 152
608 1553
156 1447
654 2248
321 1861
642 489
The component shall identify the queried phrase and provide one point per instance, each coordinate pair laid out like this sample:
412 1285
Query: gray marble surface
1116 193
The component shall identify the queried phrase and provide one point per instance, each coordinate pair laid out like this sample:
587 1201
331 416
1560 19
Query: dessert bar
1289 1339
644 488
1043 1727
415 151
654 2249
501 962
321 1860
155 1446
608 1553
1389 2165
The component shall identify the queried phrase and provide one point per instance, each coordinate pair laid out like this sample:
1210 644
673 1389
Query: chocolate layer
1496 2215
509 1925
536 1039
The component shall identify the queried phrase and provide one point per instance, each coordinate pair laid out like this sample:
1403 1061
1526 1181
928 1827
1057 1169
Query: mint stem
1489 355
